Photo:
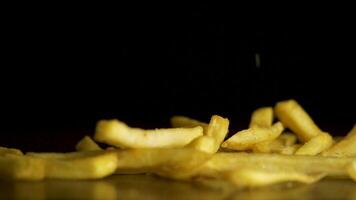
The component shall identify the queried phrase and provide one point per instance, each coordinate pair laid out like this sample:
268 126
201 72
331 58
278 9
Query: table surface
151 187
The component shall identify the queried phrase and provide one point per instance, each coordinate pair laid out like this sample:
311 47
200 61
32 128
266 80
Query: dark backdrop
62 70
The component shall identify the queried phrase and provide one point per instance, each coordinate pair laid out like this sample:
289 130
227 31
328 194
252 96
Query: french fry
218 128
77 165
294 117
180 163
246 139
278 145
18 167
224 162
204 143
87 144
249 177
290 150
116 133
316 145
345 147
262 117
182 121
6 151
288 138
351 170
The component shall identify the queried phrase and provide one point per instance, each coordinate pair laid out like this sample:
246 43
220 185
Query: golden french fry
78 165
204 143
179 163
218 128
316 145
294 117
246 139
288 138
18 167
278 145
351 170
6 151
87 144
116 133
249 177
262 117
223 162
289 150
181 121
346 147
263 147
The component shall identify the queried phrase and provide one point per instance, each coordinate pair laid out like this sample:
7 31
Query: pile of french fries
281 144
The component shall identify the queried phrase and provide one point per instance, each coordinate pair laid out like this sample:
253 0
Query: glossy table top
150 187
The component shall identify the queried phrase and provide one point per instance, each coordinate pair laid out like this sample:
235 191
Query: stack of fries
281 144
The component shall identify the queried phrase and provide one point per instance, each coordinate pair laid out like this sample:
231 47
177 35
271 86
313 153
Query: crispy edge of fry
316 145
182 121
6 151
294 117
262 117
116 133
87 144
246 139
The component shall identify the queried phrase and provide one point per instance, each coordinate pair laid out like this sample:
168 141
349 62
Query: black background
64 69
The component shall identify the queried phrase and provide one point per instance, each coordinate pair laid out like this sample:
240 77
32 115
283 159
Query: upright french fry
249 177
316 145
17 167
345 147
246 139
78 165
218 128
87 144
6 151
294 117
262 117
181 121
223 162
116 133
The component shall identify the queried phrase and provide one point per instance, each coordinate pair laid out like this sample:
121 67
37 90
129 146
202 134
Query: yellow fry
87 144
351 170
289 150
246 139
203 143
6 151
345 147
218 128
262 117
116 133
294 117
316 145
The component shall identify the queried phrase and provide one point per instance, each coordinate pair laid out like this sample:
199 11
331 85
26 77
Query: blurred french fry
278 145
87 144
246 139
262 117
316 145
6 151
351 170
204 143
182 121
288 138
223 162
18 167
345 147
78 165
290 150
250 177
179 163
116 133
294 117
